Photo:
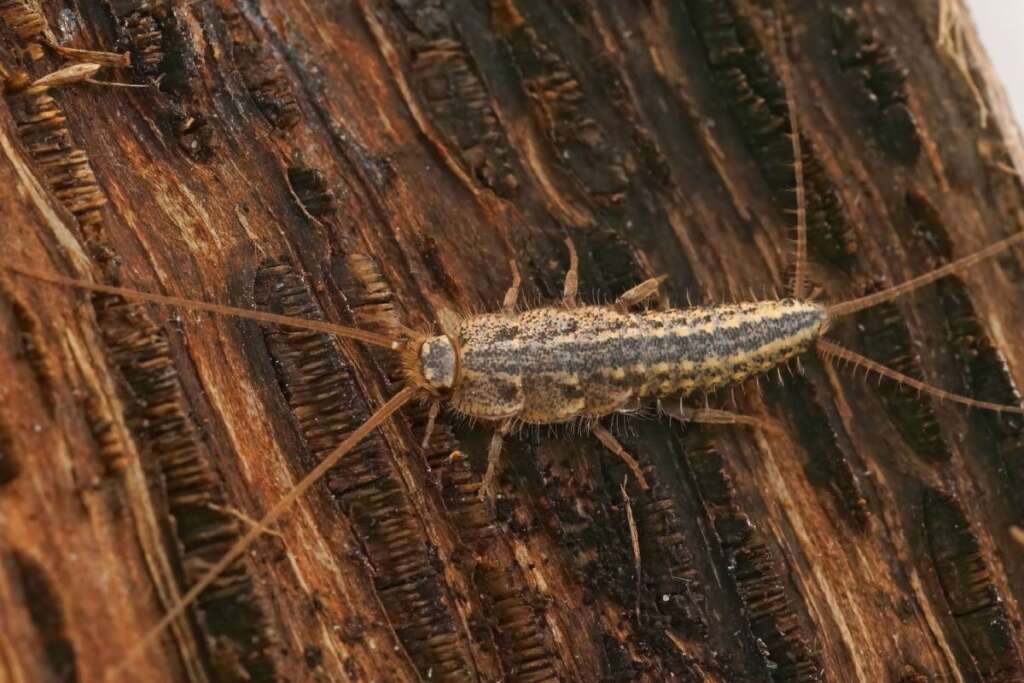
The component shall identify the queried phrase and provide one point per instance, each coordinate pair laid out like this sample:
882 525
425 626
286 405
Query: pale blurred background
1001 25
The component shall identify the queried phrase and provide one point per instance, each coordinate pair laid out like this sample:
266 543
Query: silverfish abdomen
554 364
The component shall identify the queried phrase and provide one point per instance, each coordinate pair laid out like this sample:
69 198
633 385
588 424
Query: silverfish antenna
220 309
256 530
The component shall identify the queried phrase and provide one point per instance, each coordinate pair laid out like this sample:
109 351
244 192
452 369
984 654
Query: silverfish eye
437 362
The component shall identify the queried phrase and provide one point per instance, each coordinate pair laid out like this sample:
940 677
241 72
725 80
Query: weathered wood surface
375 159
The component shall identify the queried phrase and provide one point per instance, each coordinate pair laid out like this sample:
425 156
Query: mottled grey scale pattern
556 364
606 394
552 397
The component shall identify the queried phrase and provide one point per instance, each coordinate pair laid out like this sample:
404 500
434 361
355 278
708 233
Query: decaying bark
371 161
